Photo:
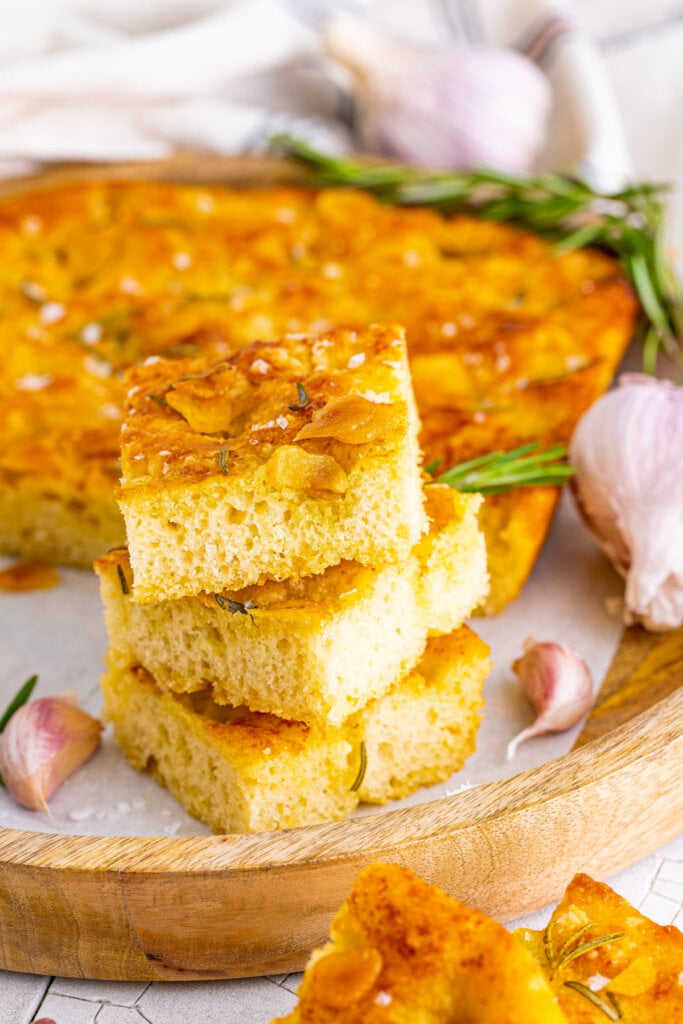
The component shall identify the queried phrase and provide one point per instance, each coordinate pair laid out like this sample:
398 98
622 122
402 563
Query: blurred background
135 79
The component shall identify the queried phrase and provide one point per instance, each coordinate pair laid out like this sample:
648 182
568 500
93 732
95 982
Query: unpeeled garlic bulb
557 682
44 742
456 107
628 453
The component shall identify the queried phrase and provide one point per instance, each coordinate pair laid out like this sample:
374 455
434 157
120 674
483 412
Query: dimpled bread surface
291 649
275 463
403 952
242 771
508 340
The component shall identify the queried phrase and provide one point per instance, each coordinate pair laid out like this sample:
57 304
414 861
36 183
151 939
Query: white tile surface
67 1011
121 993
118 1015
20 996
247 1001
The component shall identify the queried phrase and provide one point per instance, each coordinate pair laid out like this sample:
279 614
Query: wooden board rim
488 846
609 754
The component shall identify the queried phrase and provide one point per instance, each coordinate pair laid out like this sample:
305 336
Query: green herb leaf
122 580
628 224
574 938
235 607
18 700
548 944
496 472
303 399
362 768
158 398
611 1010
433 466
587 947
223 461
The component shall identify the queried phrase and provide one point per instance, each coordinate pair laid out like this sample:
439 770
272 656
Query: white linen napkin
138 79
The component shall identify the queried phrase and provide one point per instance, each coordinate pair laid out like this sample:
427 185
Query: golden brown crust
637 974
339 395
508 342
402 951
275 463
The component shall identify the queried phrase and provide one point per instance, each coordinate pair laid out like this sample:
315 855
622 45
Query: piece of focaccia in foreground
276 462
242 771
291 649
606 961
403 952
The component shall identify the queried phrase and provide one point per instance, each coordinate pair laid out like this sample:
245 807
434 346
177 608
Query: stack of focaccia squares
285 627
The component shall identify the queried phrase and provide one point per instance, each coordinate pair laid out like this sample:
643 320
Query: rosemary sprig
573 938
223 461
495 472
628 224
612 1010
19 699
602 940
362 768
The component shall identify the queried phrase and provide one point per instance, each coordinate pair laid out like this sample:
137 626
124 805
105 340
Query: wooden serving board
234 906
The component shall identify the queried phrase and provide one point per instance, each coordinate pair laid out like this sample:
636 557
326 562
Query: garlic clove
44 742
557 682
627 450
457 106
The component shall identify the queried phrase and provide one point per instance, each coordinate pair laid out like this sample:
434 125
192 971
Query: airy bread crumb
291 648
242 771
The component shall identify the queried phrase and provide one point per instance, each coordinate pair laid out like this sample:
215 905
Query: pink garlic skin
44 742
557 682
434 129
628 453
457 106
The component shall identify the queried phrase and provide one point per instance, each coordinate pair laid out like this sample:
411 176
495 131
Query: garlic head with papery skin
44 742
454 107
557 682
627 450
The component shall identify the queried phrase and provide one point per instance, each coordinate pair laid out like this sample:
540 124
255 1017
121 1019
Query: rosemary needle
496 472
20 698
628 224
611 1010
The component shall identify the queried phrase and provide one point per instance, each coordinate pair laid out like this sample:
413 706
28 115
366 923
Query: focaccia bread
274 463
606 961
291 649
402 952
509 341
242 771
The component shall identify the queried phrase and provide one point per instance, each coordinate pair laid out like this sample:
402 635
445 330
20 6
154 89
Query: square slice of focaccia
606 961
242 771
291 649
275 463
402 951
